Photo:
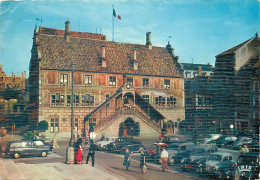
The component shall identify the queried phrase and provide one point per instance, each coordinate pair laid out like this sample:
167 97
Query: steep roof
233 49
191 66
85 51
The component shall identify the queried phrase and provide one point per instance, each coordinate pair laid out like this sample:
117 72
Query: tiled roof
232 50
195 67
86 54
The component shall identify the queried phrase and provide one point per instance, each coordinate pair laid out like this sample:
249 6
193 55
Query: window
54 125
256 86
146 97
160 101
88 100
107 97
256 101
76 124
167 84
145 82
15 108
256 116
88 80
172 101
76 99
57 99
129 80
112 80
68 100
64 78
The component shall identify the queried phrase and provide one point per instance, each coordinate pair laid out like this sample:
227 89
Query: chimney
103 56
67 30
148 40
199 71
103 52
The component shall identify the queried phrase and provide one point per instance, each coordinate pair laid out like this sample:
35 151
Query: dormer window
167 84
64 79
88 80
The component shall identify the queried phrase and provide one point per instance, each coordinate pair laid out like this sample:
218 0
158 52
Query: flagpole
113 24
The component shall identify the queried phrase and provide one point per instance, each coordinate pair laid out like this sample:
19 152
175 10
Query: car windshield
199 151
215 157
247 159
174 146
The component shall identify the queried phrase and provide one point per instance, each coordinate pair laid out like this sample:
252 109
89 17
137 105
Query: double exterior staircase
127 111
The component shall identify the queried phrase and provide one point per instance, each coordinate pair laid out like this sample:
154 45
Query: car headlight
215 167
182 161
198 162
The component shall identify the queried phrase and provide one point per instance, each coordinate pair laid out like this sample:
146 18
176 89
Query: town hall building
119 89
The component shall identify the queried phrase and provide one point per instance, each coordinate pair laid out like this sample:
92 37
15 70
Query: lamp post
231 127
70 149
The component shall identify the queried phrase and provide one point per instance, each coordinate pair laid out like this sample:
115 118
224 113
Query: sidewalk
56 171
11 170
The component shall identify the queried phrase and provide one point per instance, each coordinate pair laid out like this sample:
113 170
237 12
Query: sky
198 30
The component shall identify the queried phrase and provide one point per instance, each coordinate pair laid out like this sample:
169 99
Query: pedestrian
91 153
244 149
142 162
126 159
164 159
54 142
78 152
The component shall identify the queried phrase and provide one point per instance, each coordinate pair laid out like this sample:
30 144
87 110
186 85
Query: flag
116 15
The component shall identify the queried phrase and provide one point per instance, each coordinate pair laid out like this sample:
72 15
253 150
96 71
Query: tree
137 129
164 129
121 130
43 126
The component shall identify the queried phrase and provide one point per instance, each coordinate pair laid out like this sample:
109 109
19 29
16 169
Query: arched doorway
170 127
128 128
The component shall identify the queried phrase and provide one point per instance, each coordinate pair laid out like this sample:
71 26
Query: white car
210 137
102 144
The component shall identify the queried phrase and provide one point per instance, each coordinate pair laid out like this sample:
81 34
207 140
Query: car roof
223 153
205 147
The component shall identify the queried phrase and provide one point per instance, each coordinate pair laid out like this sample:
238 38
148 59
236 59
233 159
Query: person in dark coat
91 153
126 159
142 161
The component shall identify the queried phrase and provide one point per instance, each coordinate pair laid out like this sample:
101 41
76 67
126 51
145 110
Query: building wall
51 84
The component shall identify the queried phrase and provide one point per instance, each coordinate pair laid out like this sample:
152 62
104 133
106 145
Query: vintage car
240 141
198 156
220 165
170 139
133 148
177 151
210 137
120 143
28 148
248 165
102 145
155 149
223 141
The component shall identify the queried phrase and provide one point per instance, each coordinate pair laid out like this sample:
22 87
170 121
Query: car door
28 149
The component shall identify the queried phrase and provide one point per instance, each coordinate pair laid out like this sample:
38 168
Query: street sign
92 135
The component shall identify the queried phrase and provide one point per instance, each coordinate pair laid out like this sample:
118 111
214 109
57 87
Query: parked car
120 143
248 165
155 149
240 141
210 137
223 141
27 148
102 145
133 148
221 165
177 148
170 139
198 156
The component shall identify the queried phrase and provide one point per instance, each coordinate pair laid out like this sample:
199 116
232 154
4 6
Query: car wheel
16 155
171 161
44 154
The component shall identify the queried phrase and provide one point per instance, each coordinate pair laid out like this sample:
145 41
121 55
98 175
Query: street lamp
70 149
231 127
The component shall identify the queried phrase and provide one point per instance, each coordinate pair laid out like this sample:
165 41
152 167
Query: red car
155 149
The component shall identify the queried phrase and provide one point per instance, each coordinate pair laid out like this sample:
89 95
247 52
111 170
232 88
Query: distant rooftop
191 66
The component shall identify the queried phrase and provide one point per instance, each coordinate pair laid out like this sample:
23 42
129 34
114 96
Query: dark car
120 143
28 148
133 148
221 165
240 141
223 141
198 156
248 165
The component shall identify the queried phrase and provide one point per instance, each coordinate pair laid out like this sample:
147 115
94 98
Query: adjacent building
236 94
118 88
191 70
